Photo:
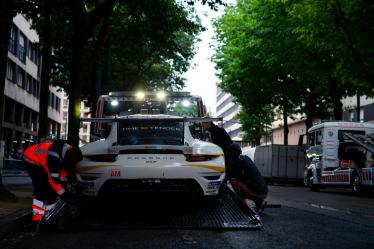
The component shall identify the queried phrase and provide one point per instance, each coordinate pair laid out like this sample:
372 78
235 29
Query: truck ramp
166 212
365 141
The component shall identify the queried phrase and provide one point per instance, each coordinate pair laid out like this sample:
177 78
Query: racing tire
311 185
356 183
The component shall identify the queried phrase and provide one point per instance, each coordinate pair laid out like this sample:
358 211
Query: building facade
22 91
297 126
228 109
85 129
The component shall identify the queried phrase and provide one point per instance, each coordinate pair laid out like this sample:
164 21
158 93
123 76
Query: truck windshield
142 132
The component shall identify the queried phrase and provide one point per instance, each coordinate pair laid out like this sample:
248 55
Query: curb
14 222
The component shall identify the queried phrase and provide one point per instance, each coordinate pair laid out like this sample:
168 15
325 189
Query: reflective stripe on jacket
40 155
37 154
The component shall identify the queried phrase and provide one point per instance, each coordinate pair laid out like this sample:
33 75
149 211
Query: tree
43 24
256 123
254 56
155 36
336 34
151 47
301 56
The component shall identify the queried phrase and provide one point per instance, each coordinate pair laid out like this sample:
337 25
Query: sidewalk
14 214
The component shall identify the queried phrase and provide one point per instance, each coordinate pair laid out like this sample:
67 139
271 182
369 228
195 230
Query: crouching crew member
47 163
245 178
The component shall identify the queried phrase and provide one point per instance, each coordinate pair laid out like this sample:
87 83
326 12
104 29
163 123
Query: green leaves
151 44
303 55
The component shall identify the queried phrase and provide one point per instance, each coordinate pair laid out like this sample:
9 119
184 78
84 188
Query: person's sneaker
260 206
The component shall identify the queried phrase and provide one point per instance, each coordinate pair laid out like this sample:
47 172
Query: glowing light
161 95
186 103
114 102
140 95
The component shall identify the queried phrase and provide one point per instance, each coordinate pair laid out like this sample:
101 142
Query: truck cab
340 154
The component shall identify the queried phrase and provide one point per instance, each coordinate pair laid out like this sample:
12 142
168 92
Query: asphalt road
326 219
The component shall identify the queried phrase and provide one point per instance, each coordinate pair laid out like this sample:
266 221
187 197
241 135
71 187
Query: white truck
340 154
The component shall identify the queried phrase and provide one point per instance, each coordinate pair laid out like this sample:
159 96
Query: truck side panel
279 162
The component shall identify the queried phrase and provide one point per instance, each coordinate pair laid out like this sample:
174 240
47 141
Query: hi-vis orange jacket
49 156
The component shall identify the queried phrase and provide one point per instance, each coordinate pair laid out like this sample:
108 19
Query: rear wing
132 119
99 121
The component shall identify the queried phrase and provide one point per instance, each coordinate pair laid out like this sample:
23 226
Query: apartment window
84 128
13 40
57 104
34 120
18 114
31 52
65 103
38 89
21 81
37 58
29 83
35 88
22 47
11 71
8 110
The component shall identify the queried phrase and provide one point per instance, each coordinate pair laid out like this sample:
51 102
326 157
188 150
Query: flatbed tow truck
228 213
153 159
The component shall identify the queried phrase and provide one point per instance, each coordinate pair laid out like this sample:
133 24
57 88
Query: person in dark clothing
245 178
218 135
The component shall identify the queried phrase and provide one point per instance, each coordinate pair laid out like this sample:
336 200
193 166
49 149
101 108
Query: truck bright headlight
161 95
114 102
140 95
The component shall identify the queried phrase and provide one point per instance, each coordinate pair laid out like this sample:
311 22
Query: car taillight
197 157
102 157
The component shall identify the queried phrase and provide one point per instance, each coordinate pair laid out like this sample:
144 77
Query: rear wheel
356 183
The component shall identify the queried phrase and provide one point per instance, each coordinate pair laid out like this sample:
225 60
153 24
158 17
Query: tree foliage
120 45
300 56
150 45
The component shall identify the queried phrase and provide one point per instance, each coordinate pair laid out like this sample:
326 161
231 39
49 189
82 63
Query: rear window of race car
151 132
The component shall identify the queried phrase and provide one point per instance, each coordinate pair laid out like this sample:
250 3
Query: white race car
152 153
